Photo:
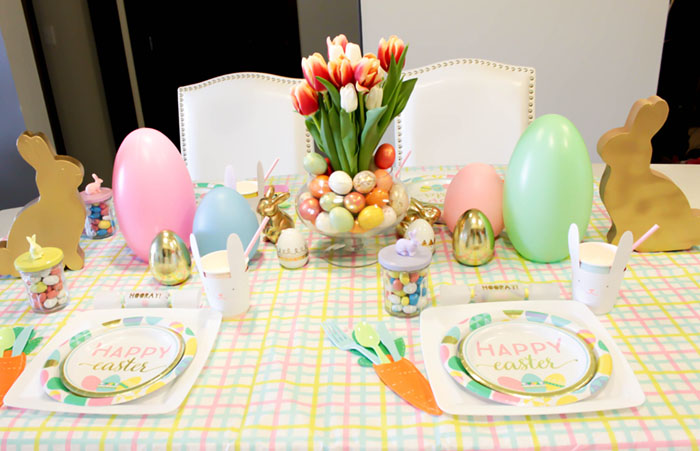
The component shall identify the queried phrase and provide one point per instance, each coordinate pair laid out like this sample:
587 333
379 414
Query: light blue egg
221 212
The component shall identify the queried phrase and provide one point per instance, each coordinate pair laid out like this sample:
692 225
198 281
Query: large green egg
548 186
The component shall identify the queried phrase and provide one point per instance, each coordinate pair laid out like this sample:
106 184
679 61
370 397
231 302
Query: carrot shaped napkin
404 379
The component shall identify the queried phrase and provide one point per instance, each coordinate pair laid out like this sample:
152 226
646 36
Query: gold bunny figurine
638 197
417 210
279 220
58 217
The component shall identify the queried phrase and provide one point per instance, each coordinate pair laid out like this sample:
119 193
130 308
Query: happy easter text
528 360
133 358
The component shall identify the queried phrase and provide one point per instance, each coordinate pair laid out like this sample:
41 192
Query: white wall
593 58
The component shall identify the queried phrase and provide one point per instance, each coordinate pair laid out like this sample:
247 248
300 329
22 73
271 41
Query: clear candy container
100 220
405 278
41 270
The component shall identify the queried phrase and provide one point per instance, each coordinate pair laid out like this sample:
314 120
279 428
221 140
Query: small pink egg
354 202
309 209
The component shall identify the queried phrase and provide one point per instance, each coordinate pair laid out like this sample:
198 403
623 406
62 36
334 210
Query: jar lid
393 261
95 192
38 258
102 195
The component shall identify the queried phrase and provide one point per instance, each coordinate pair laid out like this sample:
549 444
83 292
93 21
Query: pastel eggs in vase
340 205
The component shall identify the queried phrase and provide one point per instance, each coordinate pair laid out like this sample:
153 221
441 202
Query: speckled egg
364 182
398 199
384 180
323 224
340 182
354 202
370 217
319 186
330 200
377 197
423 233
315 164
389 217
342 220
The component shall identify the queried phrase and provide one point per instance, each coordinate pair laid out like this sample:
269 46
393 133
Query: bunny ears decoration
637 197
58 217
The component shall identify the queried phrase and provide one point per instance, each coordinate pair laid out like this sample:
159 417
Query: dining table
273 379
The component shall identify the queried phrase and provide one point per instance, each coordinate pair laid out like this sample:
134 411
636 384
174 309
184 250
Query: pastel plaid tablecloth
274 381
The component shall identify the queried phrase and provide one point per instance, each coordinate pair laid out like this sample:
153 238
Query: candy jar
405 267
100 221
41 270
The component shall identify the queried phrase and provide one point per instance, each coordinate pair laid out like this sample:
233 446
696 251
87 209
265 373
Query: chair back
240 119
465 110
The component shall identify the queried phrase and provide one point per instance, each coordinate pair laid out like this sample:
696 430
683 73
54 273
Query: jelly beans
99 222
405 292
46 289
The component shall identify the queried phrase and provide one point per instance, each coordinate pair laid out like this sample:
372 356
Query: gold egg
169 260
472 240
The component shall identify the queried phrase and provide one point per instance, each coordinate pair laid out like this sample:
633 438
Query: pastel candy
38 287
396 285
50 280
50 303
410 288
104 224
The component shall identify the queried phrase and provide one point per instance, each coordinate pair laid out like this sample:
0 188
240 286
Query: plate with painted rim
118 361
525 358
429 189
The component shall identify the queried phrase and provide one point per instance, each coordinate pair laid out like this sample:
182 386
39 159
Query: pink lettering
117 352
519 347
555 346
101 349
133 350
502 350
164 351
150 350
538 347
489 348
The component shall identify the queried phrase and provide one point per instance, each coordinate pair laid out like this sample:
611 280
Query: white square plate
27 392
622 390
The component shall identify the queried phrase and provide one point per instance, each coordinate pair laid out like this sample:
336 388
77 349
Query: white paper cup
596 284
249 190
227 293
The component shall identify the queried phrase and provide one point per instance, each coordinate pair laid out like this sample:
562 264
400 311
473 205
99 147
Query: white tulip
334 52
353 52
374 97
348 98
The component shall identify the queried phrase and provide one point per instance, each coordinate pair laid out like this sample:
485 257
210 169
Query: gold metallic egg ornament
472 239
169 260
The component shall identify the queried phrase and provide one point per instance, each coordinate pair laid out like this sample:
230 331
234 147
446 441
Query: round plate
527 358
142 326
526 385
121 360
429 189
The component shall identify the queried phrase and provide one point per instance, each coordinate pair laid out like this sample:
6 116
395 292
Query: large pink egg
152 190
477 185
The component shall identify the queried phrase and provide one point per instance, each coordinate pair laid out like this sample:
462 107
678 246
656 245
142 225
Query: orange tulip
394 46
368 73
340 71
304 99
315 66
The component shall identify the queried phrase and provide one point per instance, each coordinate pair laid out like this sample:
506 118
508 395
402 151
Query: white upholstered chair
240 119
465 110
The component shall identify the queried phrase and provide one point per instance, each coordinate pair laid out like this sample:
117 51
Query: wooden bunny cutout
637 197
279 220
58 217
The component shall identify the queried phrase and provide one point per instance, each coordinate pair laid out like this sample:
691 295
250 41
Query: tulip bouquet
350 101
